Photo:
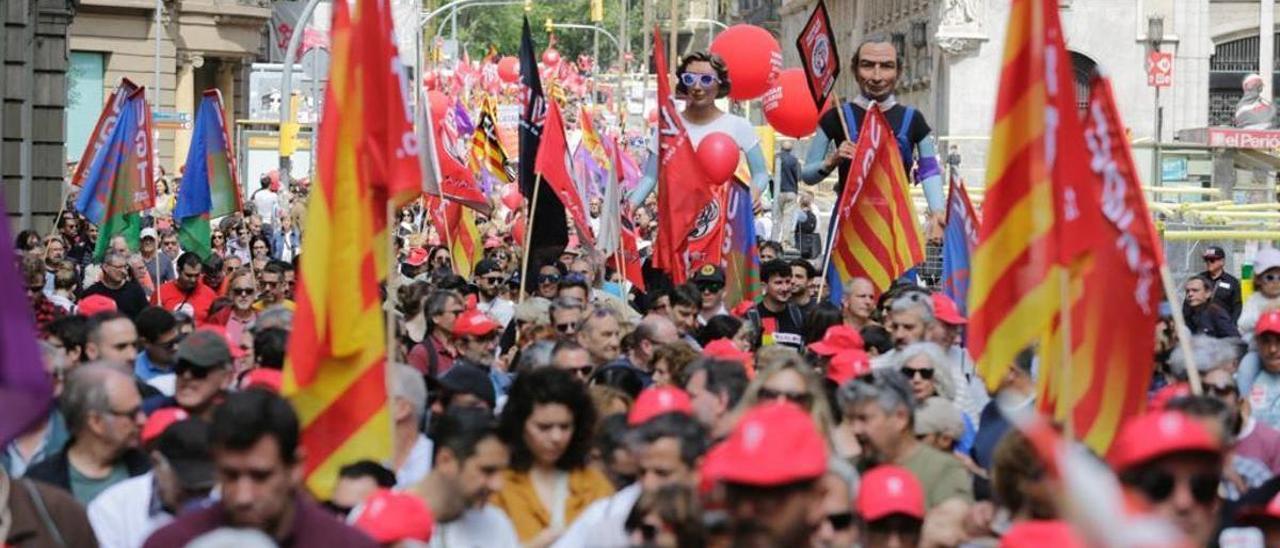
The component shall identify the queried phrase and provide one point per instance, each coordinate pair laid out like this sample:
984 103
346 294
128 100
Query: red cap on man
417 256
474 323
726 350
946 311
659 400
1036 533
848 365
394 516
1148 437
837 339
159 420
95 304
1268 322
887 490
773 444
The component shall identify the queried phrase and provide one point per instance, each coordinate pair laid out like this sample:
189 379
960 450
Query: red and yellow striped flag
1040 214
464 239
878 233
486 148
336 373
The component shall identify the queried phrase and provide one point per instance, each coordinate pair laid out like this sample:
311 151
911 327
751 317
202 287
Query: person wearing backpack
775 319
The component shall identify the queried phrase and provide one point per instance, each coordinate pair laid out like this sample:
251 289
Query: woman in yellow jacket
548 422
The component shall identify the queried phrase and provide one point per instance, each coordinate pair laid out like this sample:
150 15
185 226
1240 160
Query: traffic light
597 11
550 25
528 6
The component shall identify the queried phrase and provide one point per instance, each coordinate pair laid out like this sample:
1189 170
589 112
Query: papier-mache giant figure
1254 112
876 66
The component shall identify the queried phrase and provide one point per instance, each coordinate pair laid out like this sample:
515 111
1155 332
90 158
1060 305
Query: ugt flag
958 240
120 180
209 184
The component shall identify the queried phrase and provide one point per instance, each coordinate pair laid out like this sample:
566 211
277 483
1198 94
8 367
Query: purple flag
25 389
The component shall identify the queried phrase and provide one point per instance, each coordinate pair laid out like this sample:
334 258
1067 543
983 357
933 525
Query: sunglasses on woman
803 399
690 79
911 372
1158 485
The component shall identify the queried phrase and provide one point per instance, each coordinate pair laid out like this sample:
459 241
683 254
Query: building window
85 97
1082 68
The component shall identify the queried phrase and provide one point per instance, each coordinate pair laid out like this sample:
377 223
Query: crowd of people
571 411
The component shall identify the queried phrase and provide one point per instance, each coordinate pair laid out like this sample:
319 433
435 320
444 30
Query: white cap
149 233
1266 259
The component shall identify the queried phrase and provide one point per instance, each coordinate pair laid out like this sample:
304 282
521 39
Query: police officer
1226 288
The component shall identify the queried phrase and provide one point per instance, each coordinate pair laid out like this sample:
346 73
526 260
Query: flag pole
388 369
835 223
528 239
448 242
1180 327
1064 372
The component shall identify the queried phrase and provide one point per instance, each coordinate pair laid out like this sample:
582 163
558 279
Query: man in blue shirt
158 331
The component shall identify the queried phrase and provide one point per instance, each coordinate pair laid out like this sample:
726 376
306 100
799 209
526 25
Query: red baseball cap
1268 322
773 444
659 400
474 323
262 377
416 257
393 516
1163 396
1036 533
94 304
888 490
159 420
946 311
838 338
1147 437
848 365
726 350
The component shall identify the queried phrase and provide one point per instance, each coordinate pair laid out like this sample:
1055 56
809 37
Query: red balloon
512 199
788 105
439 104
517 229
753 58
509 69
551 57
651 116
718 153
431 80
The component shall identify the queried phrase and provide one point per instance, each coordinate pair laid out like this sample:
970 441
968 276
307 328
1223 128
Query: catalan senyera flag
1037 218
877 235
465 247
368 162
1111 367
495 156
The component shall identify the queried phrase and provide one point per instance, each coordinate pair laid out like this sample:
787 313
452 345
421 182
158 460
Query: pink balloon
753 58
512 199
439 103
788 105
509 69
718 154
431 80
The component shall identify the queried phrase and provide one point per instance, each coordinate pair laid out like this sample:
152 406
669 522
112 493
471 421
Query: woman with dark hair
701 78
261 250
27 240
548 424
820 318
721 326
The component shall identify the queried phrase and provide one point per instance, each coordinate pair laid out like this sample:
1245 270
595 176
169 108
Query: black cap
469 379
486 266
185 444
1214 252
708 273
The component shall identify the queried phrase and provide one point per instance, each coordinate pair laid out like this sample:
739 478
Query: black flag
548 230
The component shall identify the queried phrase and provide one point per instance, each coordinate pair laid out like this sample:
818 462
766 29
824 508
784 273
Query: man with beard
186 293
255 451
241 314
470 460
202 373
271 287
55 250
491 281
159 265
771 466
877 65
880 413
115 284
214 272
78 249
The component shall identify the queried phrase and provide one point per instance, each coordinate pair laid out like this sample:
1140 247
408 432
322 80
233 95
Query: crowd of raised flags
477 340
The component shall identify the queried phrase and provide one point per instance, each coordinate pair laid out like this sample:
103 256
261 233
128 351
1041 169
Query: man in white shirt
128 512
470 460
412 459
669 447
265 200
491 281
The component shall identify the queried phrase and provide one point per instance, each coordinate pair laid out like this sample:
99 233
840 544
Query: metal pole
286 83
1156 174
671 41
155 82
1266 45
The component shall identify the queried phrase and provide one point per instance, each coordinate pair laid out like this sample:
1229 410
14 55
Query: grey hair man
880 411
601 334
1208 353
103 411
566 313
910 316
116 284
412 459
859 302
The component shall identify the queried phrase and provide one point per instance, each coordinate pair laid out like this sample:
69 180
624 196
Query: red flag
684 190
553 165
632 262
453 179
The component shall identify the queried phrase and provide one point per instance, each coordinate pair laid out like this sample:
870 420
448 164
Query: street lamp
1155 36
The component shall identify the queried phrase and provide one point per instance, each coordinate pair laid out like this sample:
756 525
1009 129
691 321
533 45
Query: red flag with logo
818 55
553 165
684 190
